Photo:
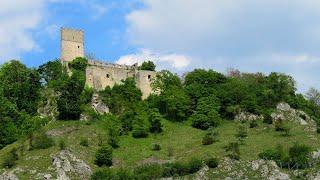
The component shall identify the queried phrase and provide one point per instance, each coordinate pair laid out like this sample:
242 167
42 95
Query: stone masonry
100 74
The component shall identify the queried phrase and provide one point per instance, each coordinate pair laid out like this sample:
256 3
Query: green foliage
79 64
109 174
210 137
253 124
155 147
53 74
202 83
20 85
234 150
182 169
147 65
42 141
84 142
69 101
113 136
206 114
211 162
148 171
104 156
121 97
139 128
10 159
8 131
155 119
62 144
297 157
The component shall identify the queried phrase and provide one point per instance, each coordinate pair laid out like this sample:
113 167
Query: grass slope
180 138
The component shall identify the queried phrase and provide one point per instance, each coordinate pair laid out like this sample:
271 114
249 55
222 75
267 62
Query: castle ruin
100 74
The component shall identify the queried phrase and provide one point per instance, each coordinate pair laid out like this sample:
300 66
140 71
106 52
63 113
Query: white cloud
17 20
163 61
250 35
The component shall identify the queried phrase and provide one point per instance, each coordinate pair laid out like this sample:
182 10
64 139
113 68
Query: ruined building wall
100 74
72 44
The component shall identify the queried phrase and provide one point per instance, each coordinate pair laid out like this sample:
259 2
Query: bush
234 151
211 162
194 165
296 158
155 119
84 142
267 117
148 171
42 141
62 144
182 169
318 129
253 124
207 139
109 174
113 136
155 147
139 132
10 159
104 156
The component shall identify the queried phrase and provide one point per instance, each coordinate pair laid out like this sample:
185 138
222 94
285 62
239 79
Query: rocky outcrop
98 105
67 165
245 116
285 113
8 176
257 169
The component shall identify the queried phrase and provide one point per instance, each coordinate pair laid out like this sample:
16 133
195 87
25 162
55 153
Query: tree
202 83
20 85
207 113
313 95
69 101
104 156
148 65
53 74
155 119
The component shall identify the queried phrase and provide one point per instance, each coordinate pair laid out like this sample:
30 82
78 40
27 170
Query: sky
178 35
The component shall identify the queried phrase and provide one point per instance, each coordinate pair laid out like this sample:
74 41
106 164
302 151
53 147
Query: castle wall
100 74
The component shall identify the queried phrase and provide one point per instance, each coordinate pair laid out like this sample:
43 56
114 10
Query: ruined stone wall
144 80
72 44
100 75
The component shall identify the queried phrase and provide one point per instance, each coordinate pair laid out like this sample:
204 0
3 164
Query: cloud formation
246 34
17 20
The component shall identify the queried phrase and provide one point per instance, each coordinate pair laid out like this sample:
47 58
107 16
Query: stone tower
72 44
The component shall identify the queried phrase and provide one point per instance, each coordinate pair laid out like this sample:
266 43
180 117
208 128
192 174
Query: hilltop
208 125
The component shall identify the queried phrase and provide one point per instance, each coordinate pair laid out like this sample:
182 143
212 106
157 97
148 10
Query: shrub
155 147
139 132
211 162
104 156
253 124
10 159
42 141
113 136
267 117
148 171
170 151
155 119
207 139
318 129
62 144
194 165
84 142
296 158
109 174
299 155
234 151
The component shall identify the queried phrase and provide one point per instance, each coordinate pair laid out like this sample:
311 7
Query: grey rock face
8 176
98 105
285 113
67 164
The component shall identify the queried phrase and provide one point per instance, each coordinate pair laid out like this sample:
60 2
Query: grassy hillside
179 142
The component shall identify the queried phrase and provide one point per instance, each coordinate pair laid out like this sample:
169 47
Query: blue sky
179 35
